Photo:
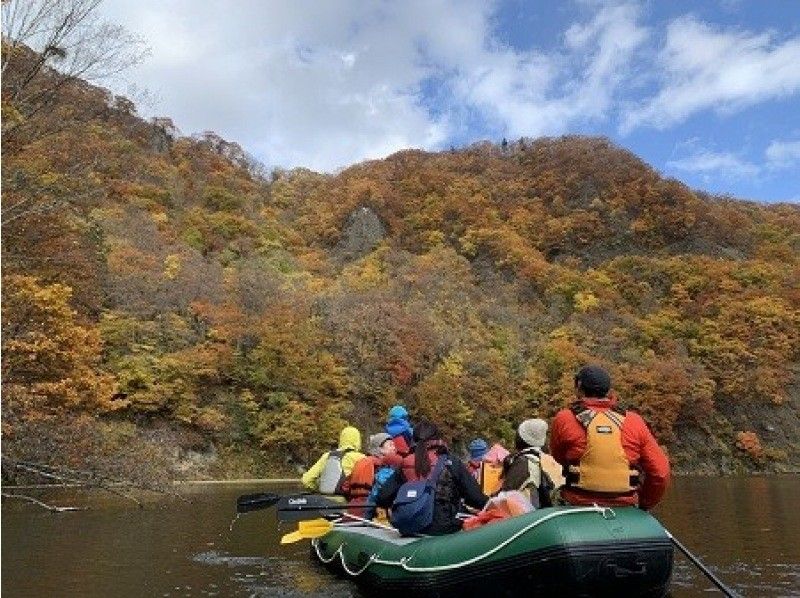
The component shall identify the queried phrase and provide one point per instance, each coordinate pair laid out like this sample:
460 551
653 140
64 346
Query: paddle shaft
344 505
346 516
714 579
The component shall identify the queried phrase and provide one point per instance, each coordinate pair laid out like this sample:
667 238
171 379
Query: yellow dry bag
490 478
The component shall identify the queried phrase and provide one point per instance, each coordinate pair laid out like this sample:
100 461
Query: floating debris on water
214 557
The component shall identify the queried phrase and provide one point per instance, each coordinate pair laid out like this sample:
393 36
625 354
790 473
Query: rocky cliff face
362 232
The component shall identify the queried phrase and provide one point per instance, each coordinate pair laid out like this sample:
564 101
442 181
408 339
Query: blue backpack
412 509
383 474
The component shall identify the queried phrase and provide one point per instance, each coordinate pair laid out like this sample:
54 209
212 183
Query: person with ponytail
454 483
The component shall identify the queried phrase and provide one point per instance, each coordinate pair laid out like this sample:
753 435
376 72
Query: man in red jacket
609 457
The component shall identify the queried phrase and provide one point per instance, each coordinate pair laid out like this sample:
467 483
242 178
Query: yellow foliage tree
50 360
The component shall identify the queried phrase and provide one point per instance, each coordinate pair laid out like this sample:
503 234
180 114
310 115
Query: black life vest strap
592 493
532 450
572 475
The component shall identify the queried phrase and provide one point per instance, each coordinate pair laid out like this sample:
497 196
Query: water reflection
743 528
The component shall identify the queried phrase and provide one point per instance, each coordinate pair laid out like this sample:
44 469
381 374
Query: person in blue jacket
399 428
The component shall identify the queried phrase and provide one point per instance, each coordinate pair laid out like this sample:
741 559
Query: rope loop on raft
605 512
315 544
347 569
608 513
338 553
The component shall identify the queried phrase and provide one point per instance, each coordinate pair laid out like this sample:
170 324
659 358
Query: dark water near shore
746 529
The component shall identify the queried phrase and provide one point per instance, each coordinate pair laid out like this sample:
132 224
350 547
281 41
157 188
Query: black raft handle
621 572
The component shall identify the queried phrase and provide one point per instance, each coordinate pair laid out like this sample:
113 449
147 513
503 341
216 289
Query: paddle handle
255 502
714 579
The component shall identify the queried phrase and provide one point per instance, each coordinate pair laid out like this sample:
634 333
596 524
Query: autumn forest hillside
168 301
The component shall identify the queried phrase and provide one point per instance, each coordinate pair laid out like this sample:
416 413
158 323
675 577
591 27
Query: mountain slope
237 320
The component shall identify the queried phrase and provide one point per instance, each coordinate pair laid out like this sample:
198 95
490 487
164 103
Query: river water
746 529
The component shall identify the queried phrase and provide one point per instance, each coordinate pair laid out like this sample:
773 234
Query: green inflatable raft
561 551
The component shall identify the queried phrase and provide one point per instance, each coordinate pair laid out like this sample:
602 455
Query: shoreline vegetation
553 470
296 481
172 309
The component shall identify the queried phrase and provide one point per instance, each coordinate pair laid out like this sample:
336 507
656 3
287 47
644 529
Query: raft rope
348 516
606 512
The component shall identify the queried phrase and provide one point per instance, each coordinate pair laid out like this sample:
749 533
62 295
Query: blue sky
706 91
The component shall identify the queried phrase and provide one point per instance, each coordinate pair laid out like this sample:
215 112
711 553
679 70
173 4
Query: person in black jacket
455 483
522 470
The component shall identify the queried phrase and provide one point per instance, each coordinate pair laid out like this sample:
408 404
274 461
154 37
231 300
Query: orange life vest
361 478
603 468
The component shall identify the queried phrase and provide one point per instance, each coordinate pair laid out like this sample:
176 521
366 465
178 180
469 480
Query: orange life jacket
361 478
603 468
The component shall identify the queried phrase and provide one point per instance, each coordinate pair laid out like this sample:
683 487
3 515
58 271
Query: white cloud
712 165
325 84
535 93
704 68
715 164
313 84
783 154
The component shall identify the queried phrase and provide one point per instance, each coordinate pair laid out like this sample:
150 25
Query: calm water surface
746 529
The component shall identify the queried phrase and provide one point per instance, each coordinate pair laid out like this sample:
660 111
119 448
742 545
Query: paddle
312 506
314 528
254 502
722 587
292 508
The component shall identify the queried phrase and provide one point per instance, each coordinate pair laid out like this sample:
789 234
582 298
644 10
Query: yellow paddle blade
291 538
314 528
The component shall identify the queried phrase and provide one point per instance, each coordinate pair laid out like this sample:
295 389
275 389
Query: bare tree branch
42 470
44 505
48 44
87 479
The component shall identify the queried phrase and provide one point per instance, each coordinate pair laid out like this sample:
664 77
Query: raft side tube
561 550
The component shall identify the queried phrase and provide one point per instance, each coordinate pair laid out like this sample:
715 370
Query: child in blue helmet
399 428
477 449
